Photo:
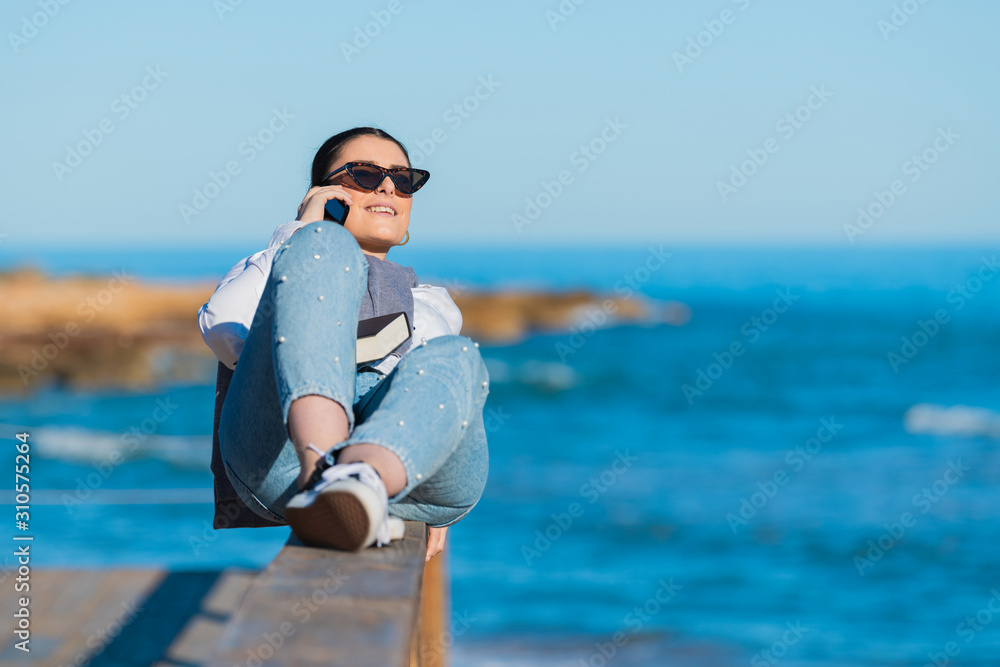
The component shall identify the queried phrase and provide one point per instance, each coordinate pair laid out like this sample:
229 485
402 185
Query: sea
800 467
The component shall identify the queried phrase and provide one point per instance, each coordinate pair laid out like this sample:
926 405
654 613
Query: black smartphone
336 211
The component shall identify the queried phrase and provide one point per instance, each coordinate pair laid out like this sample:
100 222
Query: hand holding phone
313 206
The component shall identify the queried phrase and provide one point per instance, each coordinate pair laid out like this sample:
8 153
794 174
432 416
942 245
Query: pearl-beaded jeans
428 410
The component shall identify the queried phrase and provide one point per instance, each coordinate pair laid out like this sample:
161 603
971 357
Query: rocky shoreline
118 331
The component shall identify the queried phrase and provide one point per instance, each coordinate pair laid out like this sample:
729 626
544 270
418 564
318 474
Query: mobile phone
336 211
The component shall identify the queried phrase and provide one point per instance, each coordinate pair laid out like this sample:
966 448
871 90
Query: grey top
389 286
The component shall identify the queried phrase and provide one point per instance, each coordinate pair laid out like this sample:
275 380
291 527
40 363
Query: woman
308 437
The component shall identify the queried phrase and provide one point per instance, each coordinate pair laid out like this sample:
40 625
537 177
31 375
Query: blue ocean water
766 477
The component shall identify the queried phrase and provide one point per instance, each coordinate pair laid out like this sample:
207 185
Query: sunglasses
369 176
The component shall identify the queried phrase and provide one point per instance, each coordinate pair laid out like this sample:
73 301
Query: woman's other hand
435 541
312 208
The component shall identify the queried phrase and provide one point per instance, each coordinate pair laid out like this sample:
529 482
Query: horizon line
6 248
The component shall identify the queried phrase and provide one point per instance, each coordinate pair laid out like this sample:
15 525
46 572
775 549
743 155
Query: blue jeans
428 410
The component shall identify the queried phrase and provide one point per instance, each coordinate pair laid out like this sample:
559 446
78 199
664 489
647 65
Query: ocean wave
87 446
959 420
655 311
545 375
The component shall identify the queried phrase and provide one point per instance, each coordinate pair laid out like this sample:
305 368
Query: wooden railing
314 606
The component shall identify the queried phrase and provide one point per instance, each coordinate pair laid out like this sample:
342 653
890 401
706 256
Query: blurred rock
116 330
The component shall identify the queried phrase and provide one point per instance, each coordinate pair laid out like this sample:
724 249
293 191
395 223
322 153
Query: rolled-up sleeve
435 313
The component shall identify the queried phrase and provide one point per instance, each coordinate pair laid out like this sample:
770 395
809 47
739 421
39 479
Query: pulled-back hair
331 149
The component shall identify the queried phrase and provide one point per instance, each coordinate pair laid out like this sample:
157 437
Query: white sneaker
347 509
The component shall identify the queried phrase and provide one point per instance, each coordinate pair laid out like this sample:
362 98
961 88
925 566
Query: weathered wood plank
315 606
309 607
125 617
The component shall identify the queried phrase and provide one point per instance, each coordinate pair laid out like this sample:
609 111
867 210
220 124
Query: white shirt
225 320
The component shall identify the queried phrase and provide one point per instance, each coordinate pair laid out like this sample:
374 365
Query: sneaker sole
337 517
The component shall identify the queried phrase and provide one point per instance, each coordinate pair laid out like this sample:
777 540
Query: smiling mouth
381 210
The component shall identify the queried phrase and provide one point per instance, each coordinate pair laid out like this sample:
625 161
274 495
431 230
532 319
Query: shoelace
366 475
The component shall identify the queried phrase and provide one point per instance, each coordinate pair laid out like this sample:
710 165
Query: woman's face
375 231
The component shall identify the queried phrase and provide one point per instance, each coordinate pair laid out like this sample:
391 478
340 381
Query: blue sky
672 133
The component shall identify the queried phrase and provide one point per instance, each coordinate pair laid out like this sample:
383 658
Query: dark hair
330 151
